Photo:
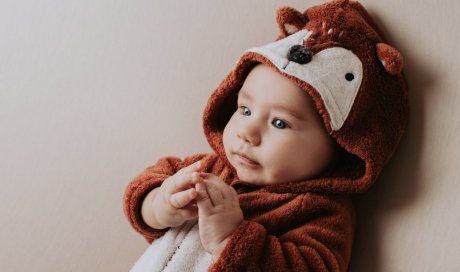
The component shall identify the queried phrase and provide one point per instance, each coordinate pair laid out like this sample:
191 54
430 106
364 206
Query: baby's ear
391 59
290 21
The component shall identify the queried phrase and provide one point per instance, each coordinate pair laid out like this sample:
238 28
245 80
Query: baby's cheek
272 170
284 168
226 140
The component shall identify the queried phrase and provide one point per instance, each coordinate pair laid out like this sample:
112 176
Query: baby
298 127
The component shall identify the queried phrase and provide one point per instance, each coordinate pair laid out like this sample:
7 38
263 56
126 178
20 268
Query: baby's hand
219 213
174 202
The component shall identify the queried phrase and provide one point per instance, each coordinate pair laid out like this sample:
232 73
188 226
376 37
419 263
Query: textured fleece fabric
356 83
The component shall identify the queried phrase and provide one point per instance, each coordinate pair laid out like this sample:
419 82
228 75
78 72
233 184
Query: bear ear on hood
391 58
289 21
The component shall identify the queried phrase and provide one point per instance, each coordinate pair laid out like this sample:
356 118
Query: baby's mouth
244 159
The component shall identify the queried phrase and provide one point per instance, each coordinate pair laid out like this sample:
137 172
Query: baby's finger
194 167
182 182
226 192
185 176
204 203
183 198
214 191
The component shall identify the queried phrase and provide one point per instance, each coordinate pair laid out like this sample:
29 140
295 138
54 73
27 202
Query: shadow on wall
397 187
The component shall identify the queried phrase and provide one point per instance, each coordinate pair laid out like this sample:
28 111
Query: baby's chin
257 179
250 178
258 176
263 180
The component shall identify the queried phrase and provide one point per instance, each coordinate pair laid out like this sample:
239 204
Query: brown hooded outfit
336 53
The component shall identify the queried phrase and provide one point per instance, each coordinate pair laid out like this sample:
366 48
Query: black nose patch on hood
300 54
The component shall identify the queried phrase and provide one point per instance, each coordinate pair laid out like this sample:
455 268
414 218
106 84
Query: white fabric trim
179 249
325 72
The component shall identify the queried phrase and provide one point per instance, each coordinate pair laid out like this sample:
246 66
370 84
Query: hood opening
349 168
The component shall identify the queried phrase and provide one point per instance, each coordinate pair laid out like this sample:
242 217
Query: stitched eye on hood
349 76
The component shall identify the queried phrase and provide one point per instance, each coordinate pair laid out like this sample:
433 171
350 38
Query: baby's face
276 134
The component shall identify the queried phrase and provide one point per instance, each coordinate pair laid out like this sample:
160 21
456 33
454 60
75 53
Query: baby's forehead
295 102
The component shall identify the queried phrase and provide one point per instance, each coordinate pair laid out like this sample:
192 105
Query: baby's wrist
217 250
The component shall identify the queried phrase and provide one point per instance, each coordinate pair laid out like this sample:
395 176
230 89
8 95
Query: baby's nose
249 134
300 54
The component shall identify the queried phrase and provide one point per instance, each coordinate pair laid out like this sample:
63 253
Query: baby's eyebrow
290 111
280 107
244 95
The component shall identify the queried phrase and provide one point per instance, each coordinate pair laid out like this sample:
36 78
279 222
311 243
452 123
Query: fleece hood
336 53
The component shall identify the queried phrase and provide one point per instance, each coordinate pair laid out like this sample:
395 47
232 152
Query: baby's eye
280 124
244 110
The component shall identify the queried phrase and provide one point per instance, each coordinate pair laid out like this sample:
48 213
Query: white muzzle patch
335 73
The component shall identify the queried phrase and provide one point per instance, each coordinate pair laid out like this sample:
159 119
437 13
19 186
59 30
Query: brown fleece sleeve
148 180
322 242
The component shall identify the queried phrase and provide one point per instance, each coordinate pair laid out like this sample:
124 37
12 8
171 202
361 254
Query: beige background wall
93 91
